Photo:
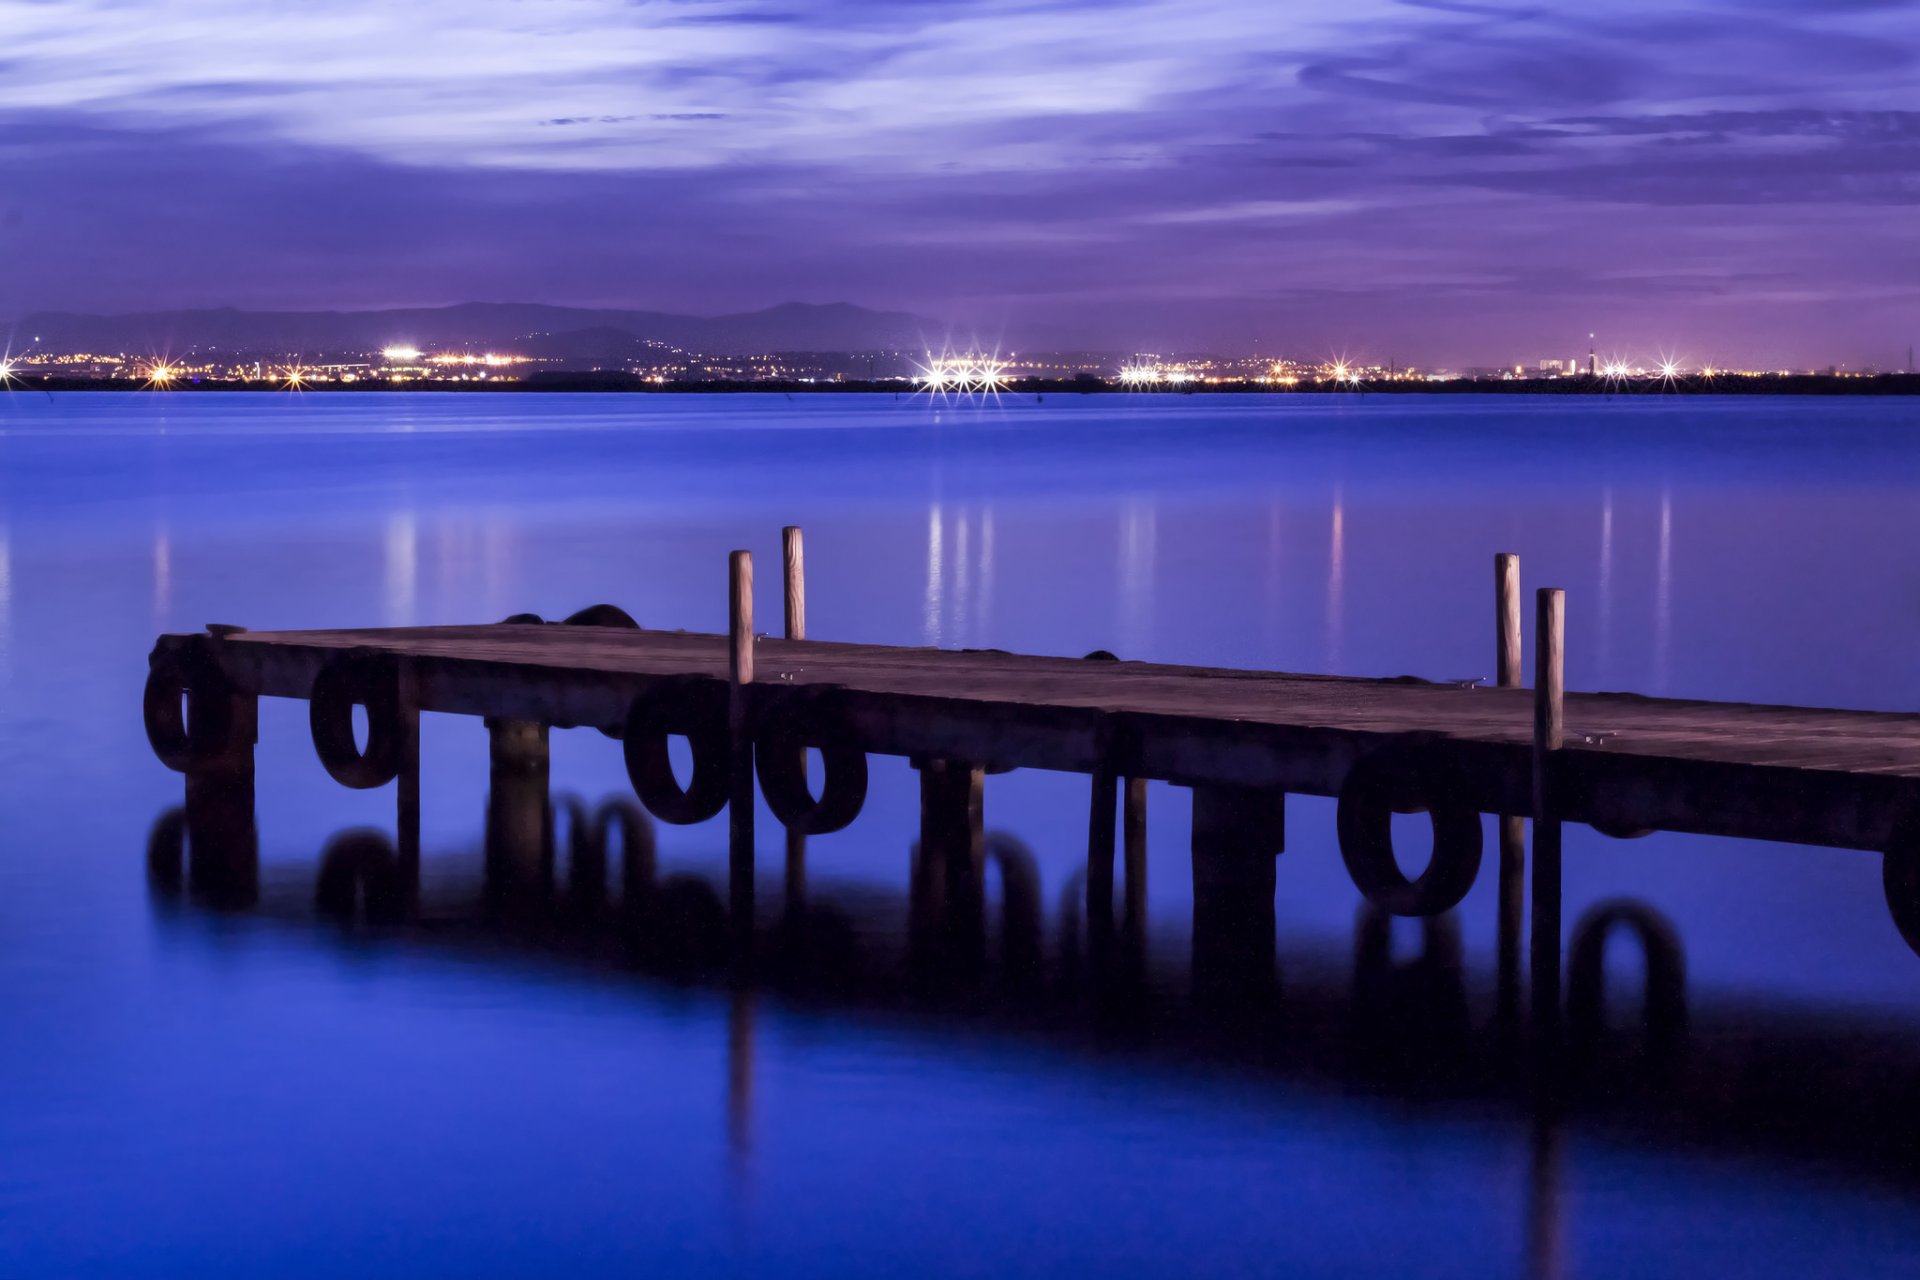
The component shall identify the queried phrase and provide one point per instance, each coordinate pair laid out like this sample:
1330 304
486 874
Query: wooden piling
1513 839
407 780
1549 732
741 791
795 560
1236 833
1506 595
222 835
1133 839
1105 793
518 789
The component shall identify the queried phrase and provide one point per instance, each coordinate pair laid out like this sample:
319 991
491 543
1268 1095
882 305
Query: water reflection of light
936 576
983 594
1606 579
1138 548
959 576
162 577
962 587
6 608
1336 582
1663 595
403 568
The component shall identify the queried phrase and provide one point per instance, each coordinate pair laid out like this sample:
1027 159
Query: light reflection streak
1138 547
1606 580
6 608
1663 596
1336 582
403 568
936 577
162 577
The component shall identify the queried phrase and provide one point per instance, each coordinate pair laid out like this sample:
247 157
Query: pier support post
1549 732
223 841
793 560
1513 846
740 794
1237 832
407 779
1133 839
518 780
949 880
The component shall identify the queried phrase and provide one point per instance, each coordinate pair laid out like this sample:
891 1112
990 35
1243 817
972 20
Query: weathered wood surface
1806 775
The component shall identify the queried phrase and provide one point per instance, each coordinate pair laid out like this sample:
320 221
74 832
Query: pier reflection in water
971 942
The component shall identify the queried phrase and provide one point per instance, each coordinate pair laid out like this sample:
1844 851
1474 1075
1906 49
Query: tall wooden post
1513 845
740 797
795 560
1549 733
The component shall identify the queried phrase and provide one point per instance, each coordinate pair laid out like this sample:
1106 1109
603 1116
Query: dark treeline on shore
1765 384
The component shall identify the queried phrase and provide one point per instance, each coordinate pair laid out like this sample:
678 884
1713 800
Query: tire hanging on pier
1409 777
204 728
366 678
793 725
603 615
696 710
1900 879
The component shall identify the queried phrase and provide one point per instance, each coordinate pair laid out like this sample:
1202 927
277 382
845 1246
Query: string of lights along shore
942 372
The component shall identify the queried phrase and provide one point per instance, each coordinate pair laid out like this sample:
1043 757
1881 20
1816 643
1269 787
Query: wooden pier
753 705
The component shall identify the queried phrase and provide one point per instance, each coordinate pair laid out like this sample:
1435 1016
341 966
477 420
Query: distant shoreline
1886 384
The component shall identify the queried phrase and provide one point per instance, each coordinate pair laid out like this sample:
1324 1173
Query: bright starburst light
962 375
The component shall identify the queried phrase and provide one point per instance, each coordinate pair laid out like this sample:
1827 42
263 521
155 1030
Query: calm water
511 1082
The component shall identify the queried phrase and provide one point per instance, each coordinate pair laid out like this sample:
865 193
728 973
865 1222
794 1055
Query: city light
1139 375
293 377
400 353
492 360
159 374
965 375
6 372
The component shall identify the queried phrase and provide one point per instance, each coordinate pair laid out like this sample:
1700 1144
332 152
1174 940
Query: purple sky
1433 180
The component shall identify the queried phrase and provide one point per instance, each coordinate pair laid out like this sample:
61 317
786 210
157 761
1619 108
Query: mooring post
794 560
740 796
1549 732
1237 831
518 781
1513 847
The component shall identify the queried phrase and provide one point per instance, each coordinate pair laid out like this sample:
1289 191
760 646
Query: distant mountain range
559 333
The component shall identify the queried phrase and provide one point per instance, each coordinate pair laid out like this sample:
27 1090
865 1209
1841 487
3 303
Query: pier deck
1825 777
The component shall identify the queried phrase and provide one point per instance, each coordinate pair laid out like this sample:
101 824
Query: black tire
180 739
602 615
1408 778
780 759
357 678
697 710
1900 879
